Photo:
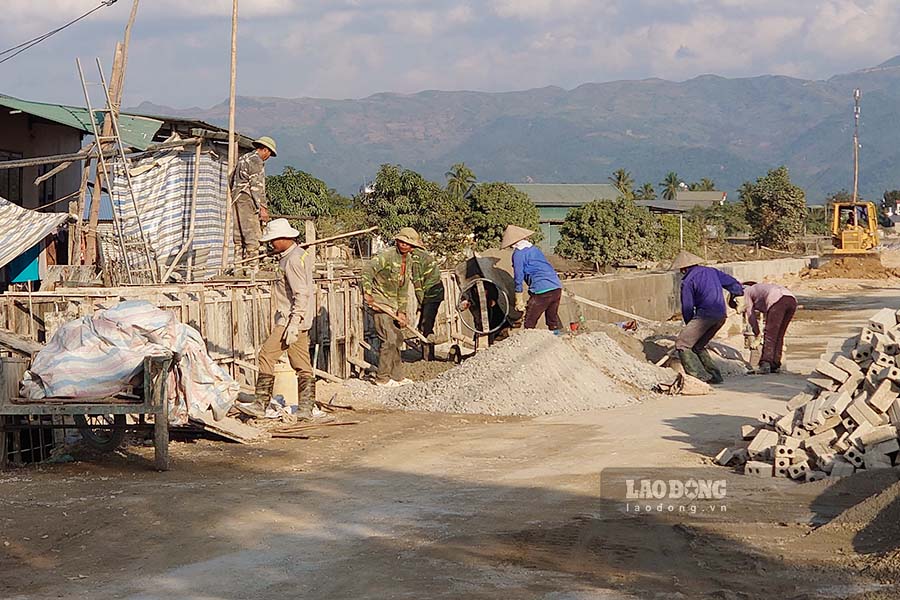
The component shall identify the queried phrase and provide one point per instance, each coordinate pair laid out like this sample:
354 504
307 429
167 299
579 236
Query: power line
17 50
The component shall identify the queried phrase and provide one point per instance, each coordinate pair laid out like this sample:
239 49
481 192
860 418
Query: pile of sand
852 267
534 373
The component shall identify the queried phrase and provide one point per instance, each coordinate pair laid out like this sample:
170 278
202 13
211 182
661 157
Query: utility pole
117 85
856 96
231 148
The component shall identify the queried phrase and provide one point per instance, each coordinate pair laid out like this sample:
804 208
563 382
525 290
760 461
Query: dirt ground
412 505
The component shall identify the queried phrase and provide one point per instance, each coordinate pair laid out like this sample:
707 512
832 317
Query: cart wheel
93 433
455 354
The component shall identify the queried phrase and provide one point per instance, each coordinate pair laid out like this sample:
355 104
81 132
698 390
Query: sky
354 48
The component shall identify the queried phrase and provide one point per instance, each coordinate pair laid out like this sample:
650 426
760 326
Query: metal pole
231 157
681 230
856 95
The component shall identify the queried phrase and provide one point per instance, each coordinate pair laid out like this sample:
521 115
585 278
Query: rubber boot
692 365
764 368
264 386
306 396
710 365
428 351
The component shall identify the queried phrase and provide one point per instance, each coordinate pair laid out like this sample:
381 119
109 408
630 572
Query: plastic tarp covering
103 354
21 229
163 186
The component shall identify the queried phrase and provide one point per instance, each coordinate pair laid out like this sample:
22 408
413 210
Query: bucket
285 383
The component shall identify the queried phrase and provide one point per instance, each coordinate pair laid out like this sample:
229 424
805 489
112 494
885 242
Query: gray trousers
390 365
698 333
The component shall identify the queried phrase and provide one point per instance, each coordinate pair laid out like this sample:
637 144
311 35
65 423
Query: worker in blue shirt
530 267
703 310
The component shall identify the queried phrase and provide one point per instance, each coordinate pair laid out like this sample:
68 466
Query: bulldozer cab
854 227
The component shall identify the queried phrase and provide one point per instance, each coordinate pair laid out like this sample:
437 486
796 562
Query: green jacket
383 279
426 277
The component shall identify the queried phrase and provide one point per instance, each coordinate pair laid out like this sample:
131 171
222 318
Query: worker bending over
384 281
530 267
778 304
703 310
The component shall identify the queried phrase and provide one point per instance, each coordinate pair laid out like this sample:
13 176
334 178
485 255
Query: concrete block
842 444
782 462
790 442
724 456
763 444
769 417
893 374
829 423
852 383
799 433
812 414
862 352
823 439
740 456
756 468
812 476
798 470
785 452
883 360
855 457
878 435
876 461
862 413
798 401
748 432
848 424
832 372
841 468
887 447
781 472
885 395
876 375
845 364
785 425
882 321
836 404
824 383
893 413
855 435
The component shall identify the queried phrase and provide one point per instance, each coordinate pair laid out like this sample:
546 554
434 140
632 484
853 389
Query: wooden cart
102 421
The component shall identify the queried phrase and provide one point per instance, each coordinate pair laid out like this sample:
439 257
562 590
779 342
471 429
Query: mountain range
729 130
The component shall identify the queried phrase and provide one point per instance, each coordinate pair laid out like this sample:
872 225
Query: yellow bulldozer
854 228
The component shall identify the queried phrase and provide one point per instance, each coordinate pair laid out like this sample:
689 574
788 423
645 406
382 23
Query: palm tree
704 185
670 186
460 180
623 181
646 192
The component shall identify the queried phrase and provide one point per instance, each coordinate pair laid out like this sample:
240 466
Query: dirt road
423 506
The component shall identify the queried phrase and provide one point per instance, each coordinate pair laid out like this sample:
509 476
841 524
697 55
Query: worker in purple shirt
703 310
530 267
779 305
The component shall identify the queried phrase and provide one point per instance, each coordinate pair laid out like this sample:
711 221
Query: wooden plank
19 344
607 308
228 428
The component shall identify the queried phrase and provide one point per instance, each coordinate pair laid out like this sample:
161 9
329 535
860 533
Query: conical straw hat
514 234
686 259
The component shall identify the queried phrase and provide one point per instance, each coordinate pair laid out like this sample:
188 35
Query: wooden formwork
234 317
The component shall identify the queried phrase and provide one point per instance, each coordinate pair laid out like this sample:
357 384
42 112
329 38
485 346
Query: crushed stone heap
535 373
846 419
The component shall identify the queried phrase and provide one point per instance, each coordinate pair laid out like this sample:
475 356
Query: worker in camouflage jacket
248 197
384 283
426 279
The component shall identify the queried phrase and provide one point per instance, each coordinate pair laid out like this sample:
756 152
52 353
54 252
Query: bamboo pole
231 152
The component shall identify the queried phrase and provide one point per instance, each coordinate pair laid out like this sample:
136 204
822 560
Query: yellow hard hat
266 142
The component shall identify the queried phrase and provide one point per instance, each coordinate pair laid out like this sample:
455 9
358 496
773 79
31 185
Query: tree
727 219
645 193
399 198
776 208
704 185
606 233
670 186
493 206
624 182
460 180
298 193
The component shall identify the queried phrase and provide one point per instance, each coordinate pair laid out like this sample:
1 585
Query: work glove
521 302
291 331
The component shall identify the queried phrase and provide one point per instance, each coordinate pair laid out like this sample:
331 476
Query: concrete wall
29 137
656 295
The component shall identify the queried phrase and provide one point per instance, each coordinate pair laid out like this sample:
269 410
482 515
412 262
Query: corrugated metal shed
567 194
136 131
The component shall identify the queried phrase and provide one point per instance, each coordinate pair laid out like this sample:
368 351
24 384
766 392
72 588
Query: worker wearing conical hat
530 267
248 197
703 310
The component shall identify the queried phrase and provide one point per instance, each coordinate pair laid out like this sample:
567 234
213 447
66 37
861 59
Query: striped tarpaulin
21 229
163 186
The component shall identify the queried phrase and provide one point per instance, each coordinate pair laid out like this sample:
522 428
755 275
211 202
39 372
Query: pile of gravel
534 373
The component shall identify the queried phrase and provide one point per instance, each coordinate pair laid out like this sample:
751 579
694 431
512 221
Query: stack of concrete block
847 418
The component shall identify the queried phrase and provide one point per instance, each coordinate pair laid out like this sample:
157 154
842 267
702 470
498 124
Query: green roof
567 194
136 131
